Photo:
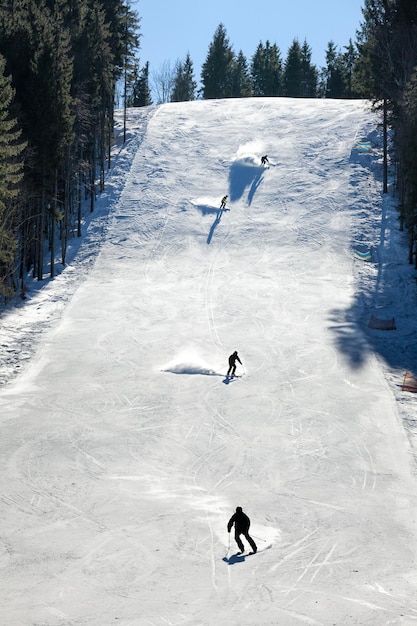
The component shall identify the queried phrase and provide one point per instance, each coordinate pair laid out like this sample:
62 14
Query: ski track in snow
124 454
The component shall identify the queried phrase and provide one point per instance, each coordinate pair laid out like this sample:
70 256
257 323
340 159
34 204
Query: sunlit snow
124 449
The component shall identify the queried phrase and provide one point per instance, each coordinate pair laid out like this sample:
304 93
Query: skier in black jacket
242 523
232 364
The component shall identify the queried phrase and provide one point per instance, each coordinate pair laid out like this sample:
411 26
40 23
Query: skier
242 523
232 364
223 202
264 160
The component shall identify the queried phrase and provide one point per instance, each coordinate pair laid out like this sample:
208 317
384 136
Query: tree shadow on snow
384 289
349 336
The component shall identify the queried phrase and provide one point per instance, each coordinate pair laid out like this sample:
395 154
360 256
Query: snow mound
189 362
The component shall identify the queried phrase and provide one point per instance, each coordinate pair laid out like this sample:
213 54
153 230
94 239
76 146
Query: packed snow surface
124 449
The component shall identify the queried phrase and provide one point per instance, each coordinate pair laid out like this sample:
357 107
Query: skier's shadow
235 558
215 224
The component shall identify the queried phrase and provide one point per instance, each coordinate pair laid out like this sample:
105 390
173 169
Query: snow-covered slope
124 450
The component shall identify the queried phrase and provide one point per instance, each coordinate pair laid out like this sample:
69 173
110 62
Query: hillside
124 450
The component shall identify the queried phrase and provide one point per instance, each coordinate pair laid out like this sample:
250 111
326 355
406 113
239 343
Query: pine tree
122 24
51 115
374 68
349 59
130 44
190 85
216 74
293 71
178 88
309 73
241 82
141 95
407 158
11 174
333 73
184 84
266 70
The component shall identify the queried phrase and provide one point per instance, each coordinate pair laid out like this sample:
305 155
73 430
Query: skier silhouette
242 523
264 160
232 364
223 202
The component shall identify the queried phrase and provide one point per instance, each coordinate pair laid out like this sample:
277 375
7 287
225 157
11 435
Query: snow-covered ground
124 450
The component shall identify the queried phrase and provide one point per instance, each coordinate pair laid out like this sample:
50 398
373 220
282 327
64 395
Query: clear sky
171 28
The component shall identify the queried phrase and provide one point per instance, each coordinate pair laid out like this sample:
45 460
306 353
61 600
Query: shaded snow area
124 449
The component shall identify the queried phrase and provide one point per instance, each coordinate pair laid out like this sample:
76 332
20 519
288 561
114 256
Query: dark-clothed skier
264 160
242 524
223 202
232 364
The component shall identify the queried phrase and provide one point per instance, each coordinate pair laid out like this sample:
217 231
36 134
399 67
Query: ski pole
228 547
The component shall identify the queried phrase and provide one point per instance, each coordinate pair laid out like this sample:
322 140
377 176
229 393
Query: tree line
387 70
61 62
226 74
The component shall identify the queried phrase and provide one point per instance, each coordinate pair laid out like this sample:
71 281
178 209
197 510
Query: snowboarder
264 160
223 202
232 364
242 523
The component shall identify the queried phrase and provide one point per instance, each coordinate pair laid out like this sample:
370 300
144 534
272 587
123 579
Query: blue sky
171 28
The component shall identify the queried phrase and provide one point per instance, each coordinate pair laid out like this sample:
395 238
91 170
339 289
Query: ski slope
124 450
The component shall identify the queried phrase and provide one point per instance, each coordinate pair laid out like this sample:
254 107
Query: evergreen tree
132 93
130 42
374 67
122 24
50 89
407 148
309 73
241 82
349 59
141 95
11 168
294 71
216 74
184 84
333 74
387 48
266 70
190 84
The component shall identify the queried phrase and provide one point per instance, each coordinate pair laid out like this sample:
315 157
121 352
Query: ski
239 557
229 379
